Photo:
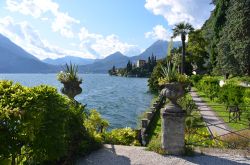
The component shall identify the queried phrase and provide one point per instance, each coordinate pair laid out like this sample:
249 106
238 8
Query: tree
234 44
212 28
113 69
129 66
197 48
182 29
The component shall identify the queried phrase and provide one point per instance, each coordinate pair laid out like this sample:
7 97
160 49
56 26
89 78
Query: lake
120 100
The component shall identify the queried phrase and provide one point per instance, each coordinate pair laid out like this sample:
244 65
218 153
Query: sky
95 28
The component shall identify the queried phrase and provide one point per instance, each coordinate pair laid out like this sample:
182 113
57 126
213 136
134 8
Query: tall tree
196 47
182 29
212 29
234 45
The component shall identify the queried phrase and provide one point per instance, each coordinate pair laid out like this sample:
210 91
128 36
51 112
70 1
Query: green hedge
229 94
210 86
38 125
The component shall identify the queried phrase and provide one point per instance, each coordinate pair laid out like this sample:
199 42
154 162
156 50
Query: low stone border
146 122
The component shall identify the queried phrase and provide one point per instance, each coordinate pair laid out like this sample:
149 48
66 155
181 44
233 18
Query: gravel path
214 123
128 155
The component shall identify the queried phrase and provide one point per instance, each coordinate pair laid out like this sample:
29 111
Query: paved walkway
129 155
214 123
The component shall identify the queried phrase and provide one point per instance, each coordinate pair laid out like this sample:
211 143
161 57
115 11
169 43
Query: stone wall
147 121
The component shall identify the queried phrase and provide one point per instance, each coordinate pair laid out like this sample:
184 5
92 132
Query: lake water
120 100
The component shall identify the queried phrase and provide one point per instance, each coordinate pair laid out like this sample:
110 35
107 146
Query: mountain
159 49
68 59
13 59
102 66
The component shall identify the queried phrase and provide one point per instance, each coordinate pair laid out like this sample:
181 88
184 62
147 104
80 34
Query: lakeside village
141 68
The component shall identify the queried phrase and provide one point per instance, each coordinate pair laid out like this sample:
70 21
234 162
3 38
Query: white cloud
37 8
159 33
29 39
175 11
105 45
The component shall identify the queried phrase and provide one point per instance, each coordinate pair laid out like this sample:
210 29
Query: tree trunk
183 38
13 160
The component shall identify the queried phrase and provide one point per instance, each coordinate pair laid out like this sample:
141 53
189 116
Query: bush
231 94
153 83
40 124
195 79
210 86
123 136
155 145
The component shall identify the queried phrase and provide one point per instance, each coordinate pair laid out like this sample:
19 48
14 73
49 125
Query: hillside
102 66
13 59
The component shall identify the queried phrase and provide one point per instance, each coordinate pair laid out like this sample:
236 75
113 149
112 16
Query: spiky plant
69 73
171 74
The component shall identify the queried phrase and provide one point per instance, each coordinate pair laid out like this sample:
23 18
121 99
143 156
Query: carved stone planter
173 120
71 88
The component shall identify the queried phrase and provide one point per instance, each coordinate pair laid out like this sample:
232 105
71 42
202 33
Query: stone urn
173 91
173 119
71 88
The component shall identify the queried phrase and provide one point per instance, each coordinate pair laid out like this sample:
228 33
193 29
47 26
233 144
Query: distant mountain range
158 49
14 59
67 59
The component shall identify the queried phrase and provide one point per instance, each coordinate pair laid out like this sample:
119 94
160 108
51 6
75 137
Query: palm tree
182 29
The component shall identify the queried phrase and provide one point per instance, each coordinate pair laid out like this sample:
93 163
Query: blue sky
95 28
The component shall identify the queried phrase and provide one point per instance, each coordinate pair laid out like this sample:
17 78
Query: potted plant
173 83
70 80
173 117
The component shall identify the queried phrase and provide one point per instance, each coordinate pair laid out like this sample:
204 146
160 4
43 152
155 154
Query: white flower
194 73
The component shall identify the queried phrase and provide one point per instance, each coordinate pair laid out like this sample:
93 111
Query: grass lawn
221 112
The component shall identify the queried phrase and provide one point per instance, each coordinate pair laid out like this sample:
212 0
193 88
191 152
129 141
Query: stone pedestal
173 129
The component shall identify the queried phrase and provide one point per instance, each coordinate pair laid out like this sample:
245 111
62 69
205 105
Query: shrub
95 125
195 79
231 94
210 86
39 123
153 83
123 136
155 145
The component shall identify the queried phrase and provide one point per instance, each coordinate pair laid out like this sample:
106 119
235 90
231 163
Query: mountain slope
159 49
68 59
102 66
13 59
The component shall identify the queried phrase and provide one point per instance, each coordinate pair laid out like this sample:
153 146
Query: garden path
216 126
131 155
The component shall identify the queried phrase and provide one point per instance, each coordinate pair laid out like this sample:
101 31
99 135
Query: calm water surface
120 100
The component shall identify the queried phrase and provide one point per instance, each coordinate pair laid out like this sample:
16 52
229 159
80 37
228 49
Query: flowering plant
69 74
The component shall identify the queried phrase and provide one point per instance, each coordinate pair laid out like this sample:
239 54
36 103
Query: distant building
140 63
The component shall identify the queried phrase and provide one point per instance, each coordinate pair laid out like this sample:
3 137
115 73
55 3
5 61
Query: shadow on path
204 159
105 156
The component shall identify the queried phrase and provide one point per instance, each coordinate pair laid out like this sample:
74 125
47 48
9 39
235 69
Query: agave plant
69 74
171 74
70 80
